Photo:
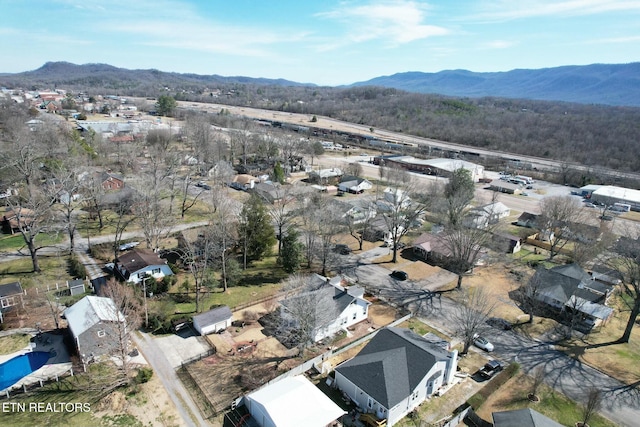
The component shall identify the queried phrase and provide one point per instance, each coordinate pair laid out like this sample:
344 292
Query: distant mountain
103 75
615 84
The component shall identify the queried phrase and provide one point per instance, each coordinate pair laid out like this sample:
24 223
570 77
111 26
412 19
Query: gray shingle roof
8 289
523 418
392 364
214 316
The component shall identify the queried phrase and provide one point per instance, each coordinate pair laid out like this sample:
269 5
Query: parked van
621 207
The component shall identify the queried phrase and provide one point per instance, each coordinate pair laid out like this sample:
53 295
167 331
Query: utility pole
144 293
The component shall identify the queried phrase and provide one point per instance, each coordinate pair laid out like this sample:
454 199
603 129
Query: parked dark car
490 369
499 323
400 275
342 249
203 185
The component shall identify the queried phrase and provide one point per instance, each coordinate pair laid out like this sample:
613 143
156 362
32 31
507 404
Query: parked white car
482 343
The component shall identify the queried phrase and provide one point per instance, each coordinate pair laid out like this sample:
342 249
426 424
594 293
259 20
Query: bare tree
592 405
304 312
401 207
529 295
559 213
127 308
281 211
223 236
537 376
626 261
197 252
68 186
474 307
30 217
359 222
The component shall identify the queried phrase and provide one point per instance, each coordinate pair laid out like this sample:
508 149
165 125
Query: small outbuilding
212 321
292 402
10 296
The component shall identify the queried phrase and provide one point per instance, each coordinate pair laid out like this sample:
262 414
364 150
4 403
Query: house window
142 275
155 271
370 403
101 333
414 396
355 315
8 302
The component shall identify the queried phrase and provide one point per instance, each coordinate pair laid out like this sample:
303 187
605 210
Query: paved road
178 394
621 403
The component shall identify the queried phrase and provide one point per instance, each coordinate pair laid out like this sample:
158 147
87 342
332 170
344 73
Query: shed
292 402
10 295
214 320
522 418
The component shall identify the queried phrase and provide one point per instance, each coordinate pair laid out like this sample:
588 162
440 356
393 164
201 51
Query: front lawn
513 395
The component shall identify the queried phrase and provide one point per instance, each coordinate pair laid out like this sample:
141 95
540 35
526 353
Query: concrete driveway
178 348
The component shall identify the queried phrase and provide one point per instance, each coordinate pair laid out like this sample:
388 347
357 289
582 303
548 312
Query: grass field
14 342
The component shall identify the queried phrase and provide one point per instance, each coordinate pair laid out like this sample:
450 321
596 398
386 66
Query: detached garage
213 321
292 402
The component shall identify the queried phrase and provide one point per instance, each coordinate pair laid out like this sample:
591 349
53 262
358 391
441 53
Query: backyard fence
200 356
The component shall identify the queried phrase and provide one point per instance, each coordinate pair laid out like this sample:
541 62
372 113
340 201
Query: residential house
431 247
325 176
568 288
395 372
10 296
483 216
110 181
212 321
527 219
396 197
291 402
522 418
606 275
15 219
244 182
95 324
506 243
269 191
338 307
353 184
137 264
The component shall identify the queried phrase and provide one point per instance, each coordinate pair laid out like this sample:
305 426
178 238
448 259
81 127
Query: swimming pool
13 370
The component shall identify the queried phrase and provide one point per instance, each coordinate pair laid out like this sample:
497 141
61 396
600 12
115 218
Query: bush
76 268
144 375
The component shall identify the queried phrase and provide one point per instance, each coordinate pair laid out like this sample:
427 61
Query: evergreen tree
291 255
255 230
165 105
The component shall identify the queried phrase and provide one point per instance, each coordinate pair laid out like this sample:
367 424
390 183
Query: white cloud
396 21
506 10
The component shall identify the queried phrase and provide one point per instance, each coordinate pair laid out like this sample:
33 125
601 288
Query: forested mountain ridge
108 76
611 84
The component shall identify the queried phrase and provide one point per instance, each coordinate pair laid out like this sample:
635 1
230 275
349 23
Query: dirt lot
247 358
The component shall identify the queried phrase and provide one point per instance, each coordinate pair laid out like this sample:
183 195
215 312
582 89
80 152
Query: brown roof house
137 264
110 181
14 220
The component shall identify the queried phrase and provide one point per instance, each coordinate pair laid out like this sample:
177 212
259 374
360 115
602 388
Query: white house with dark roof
395 372
338 307
95 323
137 264
212 321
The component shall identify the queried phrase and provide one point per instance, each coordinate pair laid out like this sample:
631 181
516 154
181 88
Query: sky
328 42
